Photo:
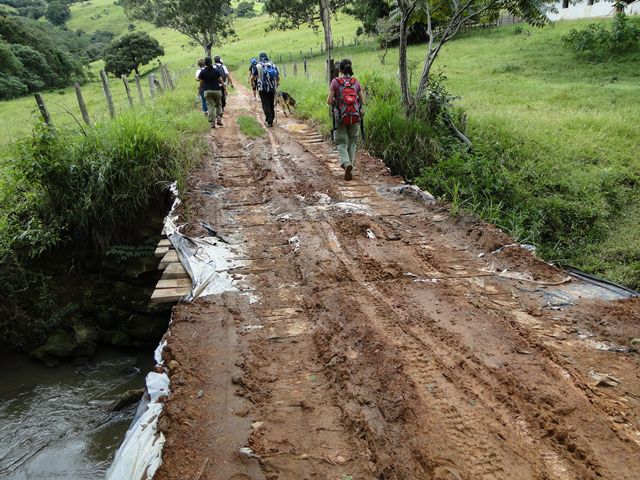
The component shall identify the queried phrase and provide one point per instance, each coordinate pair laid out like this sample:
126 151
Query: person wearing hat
267 78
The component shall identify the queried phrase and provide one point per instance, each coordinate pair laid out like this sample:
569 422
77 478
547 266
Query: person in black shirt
211 82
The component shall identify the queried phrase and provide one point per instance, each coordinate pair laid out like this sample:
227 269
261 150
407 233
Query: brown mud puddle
373 340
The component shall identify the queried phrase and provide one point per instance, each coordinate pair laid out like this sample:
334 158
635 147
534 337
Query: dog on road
285 101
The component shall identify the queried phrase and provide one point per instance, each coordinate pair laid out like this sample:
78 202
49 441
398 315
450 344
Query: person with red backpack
347 101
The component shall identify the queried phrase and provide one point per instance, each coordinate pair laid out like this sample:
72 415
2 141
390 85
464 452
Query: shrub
11 87
58 12
596 42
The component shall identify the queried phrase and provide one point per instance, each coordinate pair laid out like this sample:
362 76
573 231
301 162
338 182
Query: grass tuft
250 126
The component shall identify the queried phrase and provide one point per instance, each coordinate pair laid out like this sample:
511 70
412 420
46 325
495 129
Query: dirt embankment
374 336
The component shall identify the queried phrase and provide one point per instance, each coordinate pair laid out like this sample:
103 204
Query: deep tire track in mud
369 338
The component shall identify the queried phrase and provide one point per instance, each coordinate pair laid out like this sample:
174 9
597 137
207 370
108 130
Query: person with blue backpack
346 99
267 78
253 73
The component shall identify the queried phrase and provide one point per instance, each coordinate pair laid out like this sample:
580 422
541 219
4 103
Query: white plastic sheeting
140 454
207 260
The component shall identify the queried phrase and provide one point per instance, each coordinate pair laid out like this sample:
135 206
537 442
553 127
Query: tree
451 16
369 12
294 13
206 22
245 9
129 52
58 13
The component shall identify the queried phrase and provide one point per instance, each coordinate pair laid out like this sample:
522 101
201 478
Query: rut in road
371 338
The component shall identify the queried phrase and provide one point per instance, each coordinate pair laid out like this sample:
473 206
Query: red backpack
348 101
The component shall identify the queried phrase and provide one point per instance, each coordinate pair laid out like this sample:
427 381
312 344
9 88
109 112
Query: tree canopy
58 12
35 55
129 52
205 22
444 19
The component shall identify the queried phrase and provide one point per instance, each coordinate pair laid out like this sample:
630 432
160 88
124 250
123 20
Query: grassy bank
555 160
86 189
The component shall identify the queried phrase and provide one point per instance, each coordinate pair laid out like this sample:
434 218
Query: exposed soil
376 338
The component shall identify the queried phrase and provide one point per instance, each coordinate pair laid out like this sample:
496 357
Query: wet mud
375 336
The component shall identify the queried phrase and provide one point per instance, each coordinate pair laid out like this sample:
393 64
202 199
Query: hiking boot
269 124
219 122
347 172
213 125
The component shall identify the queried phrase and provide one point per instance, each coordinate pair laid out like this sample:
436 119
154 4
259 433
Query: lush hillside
555 162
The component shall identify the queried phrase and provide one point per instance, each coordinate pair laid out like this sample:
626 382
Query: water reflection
56 423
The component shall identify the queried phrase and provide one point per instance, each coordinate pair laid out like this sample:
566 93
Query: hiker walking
253 73
347 101
200 91
211 83
226 78
267 78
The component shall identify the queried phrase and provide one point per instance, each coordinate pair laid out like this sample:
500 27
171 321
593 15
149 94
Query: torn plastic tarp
140 454
207 260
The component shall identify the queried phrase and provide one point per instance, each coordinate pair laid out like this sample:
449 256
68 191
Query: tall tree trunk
405 88
325 15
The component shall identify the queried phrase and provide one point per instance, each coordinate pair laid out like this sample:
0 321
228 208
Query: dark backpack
223 74
347 102
269 79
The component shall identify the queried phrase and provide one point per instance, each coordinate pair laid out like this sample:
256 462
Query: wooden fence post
82 105
284 70
152 85
168 75
125 80
43 109
163 78
295 69
306 72
107 93
139 88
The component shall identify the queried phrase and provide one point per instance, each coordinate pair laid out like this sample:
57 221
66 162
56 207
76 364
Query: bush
11 87
245 9
64 188
58 12
596 42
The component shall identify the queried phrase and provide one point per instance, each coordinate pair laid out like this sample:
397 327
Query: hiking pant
224 99
204 102
268 100
346 139
214 98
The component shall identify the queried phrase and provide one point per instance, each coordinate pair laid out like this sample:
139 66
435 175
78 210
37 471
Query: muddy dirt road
373 336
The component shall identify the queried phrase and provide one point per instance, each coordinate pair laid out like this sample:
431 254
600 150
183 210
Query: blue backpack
269 79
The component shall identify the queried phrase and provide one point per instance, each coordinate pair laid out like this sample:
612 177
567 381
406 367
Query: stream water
56 423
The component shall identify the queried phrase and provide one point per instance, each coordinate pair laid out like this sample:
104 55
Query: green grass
556 159
250 126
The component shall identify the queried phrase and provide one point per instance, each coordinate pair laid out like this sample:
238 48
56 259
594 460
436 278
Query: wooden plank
161 251
167 295
174 283
170 257
174 270
165 242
